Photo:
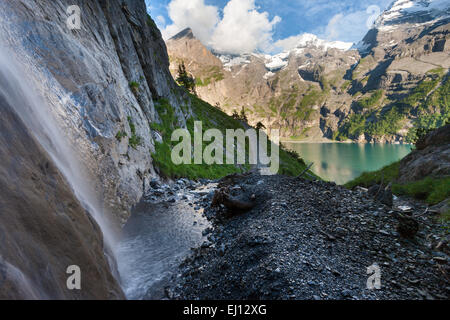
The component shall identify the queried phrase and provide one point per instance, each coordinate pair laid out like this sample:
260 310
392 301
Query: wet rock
155 184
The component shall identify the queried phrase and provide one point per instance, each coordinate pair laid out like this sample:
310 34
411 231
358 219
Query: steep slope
323 90
285 91
406 60
101 82
43 227
97 87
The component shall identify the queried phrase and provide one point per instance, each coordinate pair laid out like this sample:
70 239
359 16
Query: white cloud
160 20
243 29
352 25
347 27
201 18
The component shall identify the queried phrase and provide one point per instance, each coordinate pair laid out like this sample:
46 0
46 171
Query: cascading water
35 113
155 239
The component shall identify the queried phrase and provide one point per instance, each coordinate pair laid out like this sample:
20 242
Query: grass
134 140
210 117
120 135
209 75
373 100
134 86
432 190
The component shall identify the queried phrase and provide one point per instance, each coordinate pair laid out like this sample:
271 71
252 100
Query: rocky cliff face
43 227
100 84
324 90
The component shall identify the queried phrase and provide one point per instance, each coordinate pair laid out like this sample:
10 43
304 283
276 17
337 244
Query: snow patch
268 75
403 8
277 62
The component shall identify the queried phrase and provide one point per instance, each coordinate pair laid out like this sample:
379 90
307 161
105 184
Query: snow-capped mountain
413 12
402 19
313 87
279 61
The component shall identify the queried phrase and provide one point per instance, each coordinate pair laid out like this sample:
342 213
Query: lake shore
340 142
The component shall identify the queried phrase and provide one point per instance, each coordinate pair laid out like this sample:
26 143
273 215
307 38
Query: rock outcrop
430 159
101 82
43 227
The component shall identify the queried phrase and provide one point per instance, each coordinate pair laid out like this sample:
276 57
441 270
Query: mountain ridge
313 92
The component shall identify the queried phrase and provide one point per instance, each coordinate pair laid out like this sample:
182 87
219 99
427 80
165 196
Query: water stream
18 92
156 238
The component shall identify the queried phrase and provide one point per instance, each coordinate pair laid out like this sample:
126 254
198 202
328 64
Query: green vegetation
211 74
428 99
134 86
420 93
134 140
352 128
388 123
150 22
431 190
373 100
439 71
345 85
428 117
440 98
185 80
211 118
426 123
303 135
120 135
208 115
313 97
388 174
362 67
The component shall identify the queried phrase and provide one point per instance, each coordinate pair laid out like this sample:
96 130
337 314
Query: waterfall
18 92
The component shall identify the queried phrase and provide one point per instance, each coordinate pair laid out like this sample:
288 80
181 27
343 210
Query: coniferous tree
185 80
260 126
235 115
243 116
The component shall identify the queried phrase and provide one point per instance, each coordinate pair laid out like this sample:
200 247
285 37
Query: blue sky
268 20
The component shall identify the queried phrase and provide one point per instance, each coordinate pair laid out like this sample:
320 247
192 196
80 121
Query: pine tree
185 80
235 115
260 126
243 116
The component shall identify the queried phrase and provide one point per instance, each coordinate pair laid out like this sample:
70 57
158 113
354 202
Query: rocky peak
413 12
186 33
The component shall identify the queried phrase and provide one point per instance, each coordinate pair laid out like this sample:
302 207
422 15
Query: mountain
374 91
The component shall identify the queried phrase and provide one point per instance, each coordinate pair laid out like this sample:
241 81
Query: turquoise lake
342 162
